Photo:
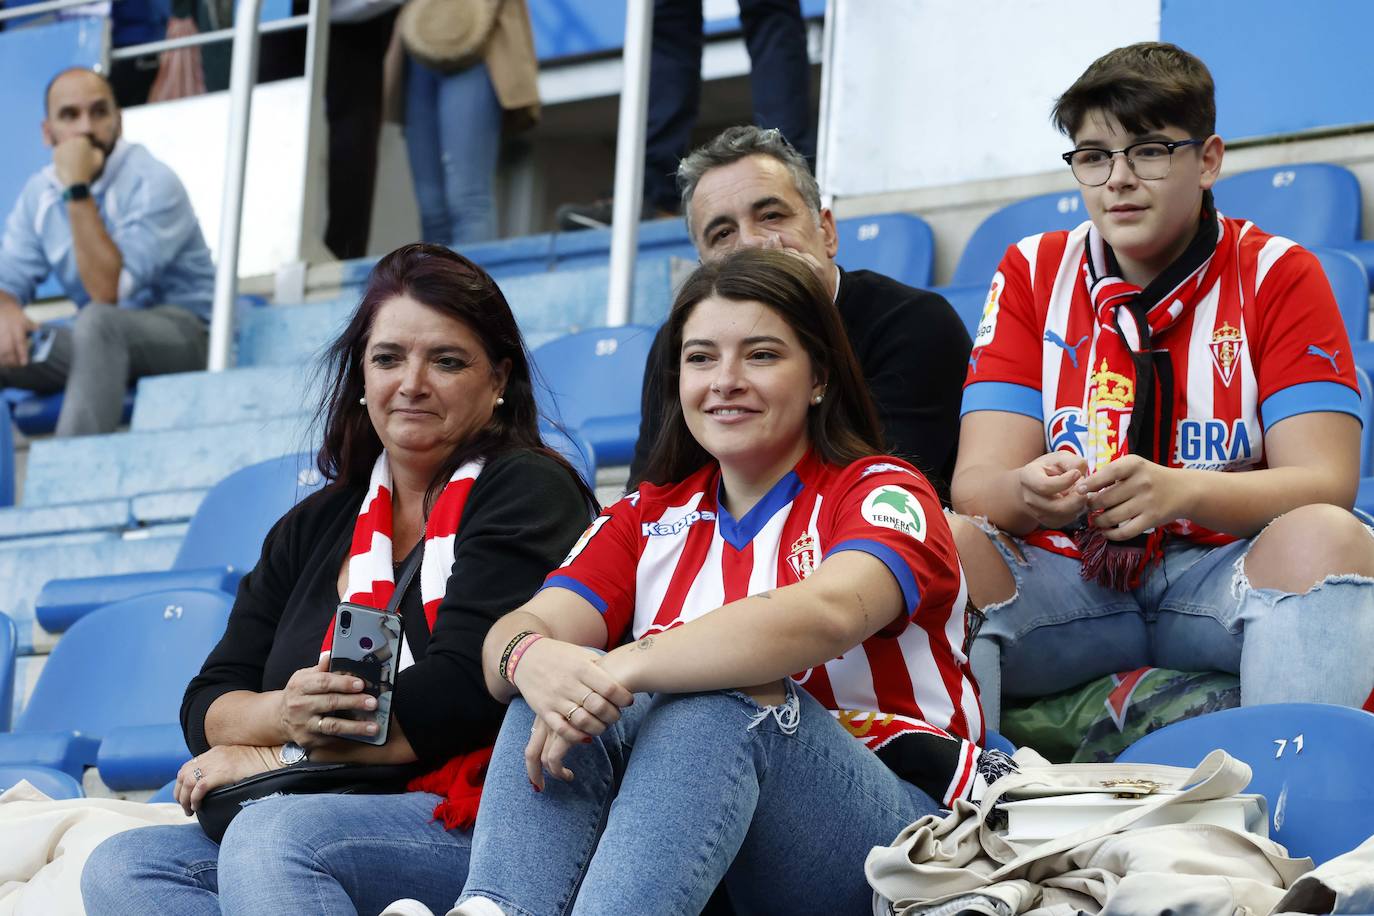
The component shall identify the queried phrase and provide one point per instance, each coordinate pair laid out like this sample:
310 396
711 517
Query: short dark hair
739 142
47 90
842 429
1144 86
454 286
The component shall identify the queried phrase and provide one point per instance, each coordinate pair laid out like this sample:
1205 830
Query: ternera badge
893 507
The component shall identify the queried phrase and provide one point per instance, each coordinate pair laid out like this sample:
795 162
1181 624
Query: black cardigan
522 516
913 350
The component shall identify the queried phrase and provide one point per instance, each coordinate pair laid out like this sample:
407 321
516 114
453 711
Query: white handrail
35 9
629 159
243 71
205 38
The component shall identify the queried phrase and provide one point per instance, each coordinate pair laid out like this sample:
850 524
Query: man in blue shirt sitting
116 228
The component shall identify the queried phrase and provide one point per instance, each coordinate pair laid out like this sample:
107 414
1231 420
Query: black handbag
219 806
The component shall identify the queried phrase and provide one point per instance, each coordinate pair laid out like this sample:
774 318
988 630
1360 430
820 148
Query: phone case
366 643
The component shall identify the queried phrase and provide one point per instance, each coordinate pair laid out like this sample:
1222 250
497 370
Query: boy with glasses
1160 433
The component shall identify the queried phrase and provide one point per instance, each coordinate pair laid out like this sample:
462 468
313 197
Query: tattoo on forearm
768 594
646 643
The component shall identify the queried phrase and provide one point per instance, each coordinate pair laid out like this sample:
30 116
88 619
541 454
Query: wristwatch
78 191
291 754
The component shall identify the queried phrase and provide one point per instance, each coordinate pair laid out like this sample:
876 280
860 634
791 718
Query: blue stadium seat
996 741
9 645
36 414
1310 760
6 457
222 544
573 446
133 757
968 302
1312 204
1367 419
660 237
1350 286
593 381
53 783
126 664
899 245
1009 225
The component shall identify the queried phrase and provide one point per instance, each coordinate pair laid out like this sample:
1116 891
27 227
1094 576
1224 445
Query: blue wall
1280 66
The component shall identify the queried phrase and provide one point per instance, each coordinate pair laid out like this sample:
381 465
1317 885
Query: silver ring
197 774
569 714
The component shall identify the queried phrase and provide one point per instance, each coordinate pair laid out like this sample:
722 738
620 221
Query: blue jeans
288 855
1196 611
686 790
453 135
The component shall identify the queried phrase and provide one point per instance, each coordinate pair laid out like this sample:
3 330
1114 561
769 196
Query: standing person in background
116 228
779 78
459 97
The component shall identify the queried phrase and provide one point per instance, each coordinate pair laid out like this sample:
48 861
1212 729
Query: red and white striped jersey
1264 342
666 555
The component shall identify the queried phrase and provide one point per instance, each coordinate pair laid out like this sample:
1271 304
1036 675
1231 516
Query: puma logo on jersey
1314 350
1059 342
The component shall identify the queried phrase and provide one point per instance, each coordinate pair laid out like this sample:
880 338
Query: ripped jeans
686 790
1195 611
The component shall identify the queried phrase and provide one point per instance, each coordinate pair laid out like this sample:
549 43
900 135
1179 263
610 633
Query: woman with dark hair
775 548
431 445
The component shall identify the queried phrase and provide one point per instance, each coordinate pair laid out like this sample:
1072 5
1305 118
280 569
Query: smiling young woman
780 602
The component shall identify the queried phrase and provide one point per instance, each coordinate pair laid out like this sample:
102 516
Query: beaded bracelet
510 647
520 650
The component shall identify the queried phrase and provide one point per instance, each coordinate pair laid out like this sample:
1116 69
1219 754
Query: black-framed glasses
1148 159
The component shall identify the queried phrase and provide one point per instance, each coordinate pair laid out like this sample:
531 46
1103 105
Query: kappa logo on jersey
1066 430
987 324
585 539
668 529
1213 443
882 466
802 556
1225 347
895 508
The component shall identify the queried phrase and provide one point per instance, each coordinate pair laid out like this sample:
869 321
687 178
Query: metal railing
205 38
629 161
37 9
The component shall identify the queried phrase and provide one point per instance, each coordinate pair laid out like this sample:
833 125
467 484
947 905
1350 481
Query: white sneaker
476 906
407 907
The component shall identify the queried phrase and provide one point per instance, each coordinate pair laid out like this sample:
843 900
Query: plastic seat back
1313 204
1367 419
127 663
1045 213
1350 286
1310 761
6 455
592 382
9 641
233 520
898 245
53 783
573 446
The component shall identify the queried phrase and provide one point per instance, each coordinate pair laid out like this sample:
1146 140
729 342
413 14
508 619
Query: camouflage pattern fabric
1094 722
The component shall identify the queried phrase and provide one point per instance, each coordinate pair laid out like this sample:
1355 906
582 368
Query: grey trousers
105 349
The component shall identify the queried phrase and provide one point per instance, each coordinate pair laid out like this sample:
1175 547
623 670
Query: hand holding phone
366 644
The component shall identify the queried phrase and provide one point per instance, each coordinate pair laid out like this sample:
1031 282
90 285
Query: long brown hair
451 285
842 429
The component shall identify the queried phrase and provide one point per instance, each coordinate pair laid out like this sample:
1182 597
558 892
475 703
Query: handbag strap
403 577
1219 775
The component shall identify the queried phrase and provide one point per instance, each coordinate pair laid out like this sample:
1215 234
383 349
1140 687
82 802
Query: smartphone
40 345
366 643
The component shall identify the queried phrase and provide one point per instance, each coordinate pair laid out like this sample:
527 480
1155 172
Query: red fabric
460 783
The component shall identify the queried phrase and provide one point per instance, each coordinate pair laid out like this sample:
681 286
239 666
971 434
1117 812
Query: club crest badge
1225 347
802 557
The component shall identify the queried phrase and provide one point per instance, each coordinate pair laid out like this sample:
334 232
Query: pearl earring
363 400
500 401
817 399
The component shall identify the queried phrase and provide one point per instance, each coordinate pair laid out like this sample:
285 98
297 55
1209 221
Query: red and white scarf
1135 380
372 582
